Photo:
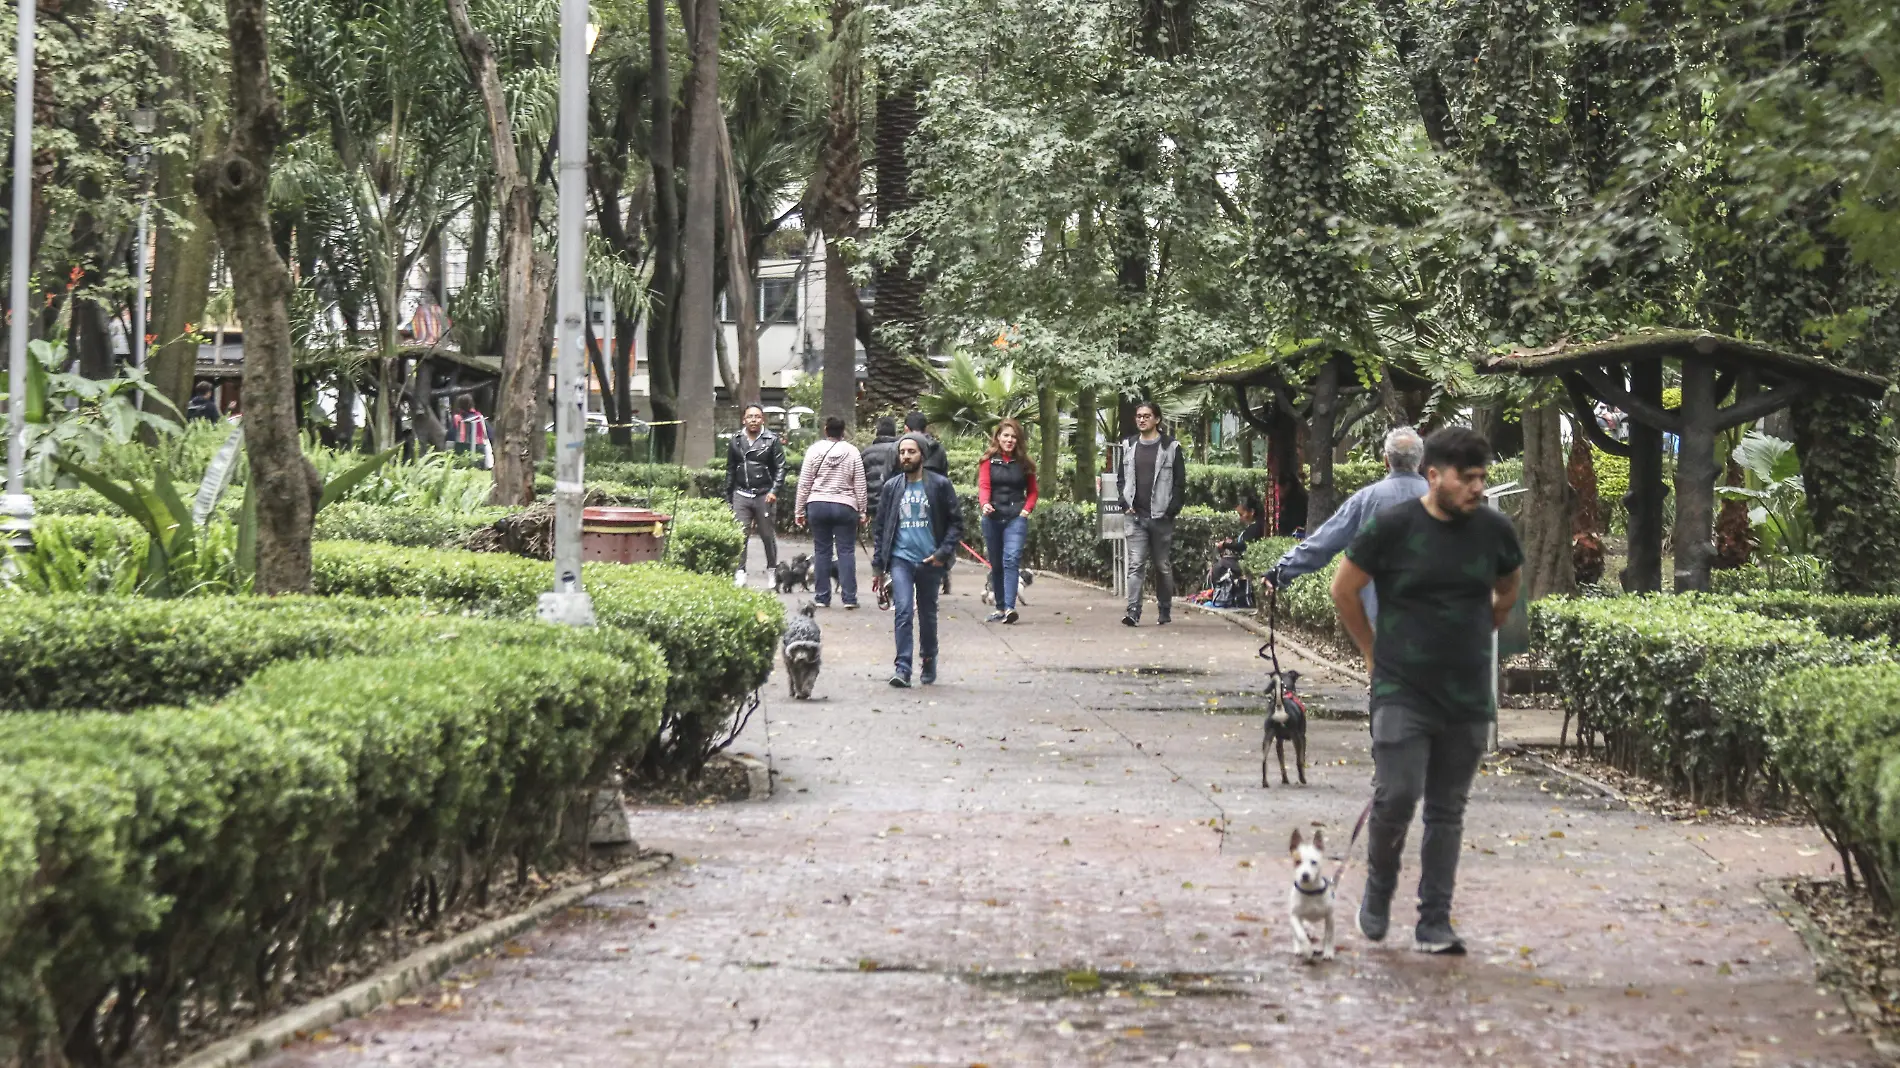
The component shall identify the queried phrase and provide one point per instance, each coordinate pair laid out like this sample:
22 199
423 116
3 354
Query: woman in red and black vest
1006 488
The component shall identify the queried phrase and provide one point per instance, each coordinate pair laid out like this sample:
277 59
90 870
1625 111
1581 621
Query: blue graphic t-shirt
915 539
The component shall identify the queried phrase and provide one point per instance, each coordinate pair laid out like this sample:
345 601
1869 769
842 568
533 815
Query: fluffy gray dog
801 646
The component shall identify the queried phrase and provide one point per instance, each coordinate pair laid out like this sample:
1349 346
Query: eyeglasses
1144 415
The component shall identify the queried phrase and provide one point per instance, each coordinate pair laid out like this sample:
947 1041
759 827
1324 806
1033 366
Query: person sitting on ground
1227 584
202 405
1403 450
1254 522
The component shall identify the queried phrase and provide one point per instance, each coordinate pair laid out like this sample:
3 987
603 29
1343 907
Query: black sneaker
1374 917
1130 621
929 674
1009 616
1163 621
1436 936
900 682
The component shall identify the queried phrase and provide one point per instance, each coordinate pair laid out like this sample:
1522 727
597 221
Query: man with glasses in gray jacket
1152 477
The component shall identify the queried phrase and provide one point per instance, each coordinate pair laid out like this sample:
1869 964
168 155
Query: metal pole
569 603
17 522
138 297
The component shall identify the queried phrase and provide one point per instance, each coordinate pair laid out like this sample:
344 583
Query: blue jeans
914 590
834 533
1003 540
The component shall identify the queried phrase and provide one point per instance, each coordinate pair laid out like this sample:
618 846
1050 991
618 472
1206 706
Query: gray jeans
758 510
1420 755
1150 540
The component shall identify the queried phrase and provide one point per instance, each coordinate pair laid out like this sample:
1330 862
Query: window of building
778 300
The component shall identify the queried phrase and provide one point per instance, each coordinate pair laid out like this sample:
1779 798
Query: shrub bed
1835 614
718 640
1673 685
400 524
1836 734
182 858
1067 538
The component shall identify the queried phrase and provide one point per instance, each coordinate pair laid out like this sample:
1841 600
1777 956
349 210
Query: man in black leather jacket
755 469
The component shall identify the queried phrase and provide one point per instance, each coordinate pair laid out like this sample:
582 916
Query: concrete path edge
398 979
1830 965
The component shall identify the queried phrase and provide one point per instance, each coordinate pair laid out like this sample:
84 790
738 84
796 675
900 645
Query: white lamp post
16 517
569 602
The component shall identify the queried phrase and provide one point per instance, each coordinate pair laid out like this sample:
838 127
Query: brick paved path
1049 858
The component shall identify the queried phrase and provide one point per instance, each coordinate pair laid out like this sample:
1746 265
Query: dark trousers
1420 755
757 512
834 534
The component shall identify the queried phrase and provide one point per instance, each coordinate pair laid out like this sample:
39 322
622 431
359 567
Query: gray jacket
1164 497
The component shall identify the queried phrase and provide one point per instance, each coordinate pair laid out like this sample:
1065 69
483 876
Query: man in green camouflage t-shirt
1445 568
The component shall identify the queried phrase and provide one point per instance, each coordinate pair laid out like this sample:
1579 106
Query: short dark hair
1250 501
886 427
834 426
916 421
749 407
1456 447
1150 405
465 403
202 388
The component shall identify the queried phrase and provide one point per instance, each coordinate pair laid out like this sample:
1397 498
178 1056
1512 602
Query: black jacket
934 458
946 519
880 462
755 466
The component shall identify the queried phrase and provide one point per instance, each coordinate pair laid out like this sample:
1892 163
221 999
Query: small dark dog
801 646
793 572
1286 721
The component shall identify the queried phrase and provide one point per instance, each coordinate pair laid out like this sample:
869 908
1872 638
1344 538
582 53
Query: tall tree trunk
664 290
842 169
181 277
234 188
1586 522
526 276
742 286
622 360
893 361
1321 495
1545 528
1050 418
698 318
1086 460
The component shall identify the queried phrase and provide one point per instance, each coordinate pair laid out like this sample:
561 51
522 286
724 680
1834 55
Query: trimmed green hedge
1836 614
215 852
1836 735
1673 685
400 524
719 640
1066 538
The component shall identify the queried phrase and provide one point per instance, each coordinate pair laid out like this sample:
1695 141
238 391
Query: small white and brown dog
1312 896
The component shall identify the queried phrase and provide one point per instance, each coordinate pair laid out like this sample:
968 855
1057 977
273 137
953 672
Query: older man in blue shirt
1403 450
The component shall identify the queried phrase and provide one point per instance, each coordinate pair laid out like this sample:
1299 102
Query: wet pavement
1062 854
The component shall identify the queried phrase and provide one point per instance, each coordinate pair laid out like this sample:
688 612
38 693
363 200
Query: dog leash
1358 826
1270 650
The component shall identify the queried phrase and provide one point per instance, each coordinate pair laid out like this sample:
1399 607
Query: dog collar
1324 885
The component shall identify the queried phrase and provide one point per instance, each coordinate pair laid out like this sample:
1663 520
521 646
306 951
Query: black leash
1270 651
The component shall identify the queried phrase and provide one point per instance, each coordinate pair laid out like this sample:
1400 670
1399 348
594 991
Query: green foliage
402 524
1858 618
222 850
1777 503
1836 735
1798 574
718 640
76 419
1673 685
707 544
964 401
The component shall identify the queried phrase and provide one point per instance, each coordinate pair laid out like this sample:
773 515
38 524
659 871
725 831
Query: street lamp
569 602
16 514
145 121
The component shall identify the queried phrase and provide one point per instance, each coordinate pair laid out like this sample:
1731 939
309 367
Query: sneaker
1130 621
900 682
822 604
929 673
1010 616
997 617
1374 917
851 606
1163 621
1436 936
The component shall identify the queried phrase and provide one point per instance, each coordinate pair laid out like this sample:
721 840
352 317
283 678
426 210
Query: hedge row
1067 538
190 857
400 524
1672 685
718 640
1836 735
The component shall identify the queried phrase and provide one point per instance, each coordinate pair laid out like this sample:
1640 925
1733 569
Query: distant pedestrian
468 431
203 405
1152 476
918 526
831 501
880 459
1447 570
755 468
1006 488
935 458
